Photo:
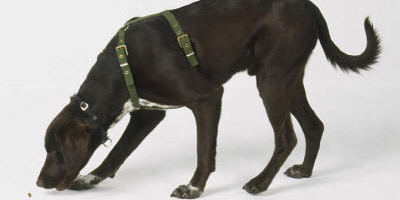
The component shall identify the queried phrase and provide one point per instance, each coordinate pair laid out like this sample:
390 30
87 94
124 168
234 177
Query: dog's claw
297 171
85 182
186 192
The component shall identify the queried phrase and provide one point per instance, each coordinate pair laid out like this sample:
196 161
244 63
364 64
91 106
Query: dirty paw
186 192
253 187
85 182
298 171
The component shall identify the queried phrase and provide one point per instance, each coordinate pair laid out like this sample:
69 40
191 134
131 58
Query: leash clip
106 144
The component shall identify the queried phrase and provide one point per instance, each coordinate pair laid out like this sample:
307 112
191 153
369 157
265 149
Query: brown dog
271 39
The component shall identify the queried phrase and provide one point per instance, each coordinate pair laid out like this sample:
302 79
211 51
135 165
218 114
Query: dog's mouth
61 187
65 183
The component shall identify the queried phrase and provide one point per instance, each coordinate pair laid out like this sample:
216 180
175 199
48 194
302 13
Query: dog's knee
287 144
314 131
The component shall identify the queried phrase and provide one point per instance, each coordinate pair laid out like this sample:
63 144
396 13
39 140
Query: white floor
359 158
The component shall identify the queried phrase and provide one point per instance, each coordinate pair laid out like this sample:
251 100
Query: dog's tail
336 56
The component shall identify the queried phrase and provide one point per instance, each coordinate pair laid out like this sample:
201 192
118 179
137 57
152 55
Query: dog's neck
104 87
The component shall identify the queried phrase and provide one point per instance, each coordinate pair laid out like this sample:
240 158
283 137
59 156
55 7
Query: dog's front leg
141 123
207 114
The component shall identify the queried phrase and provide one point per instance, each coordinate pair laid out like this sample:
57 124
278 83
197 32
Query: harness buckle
122 46
180 39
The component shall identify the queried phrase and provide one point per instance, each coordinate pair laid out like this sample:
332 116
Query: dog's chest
145 104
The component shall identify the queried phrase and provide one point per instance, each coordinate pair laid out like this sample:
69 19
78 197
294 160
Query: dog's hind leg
276 98
207 114
141 123
312 128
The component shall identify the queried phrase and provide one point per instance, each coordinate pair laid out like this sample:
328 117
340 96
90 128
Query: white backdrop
47 48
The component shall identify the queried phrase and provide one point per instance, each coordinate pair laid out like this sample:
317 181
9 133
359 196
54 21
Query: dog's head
70 141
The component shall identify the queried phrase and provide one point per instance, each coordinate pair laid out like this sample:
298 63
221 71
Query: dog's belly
145 104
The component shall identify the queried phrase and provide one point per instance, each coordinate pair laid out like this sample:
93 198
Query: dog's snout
40 183
46 183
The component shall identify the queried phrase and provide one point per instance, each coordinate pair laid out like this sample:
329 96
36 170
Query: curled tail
336 56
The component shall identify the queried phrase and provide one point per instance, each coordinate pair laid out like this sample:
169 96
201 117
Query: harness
122 51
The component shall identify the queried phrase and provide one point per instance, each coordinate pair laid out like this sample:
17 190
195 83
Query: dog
271 39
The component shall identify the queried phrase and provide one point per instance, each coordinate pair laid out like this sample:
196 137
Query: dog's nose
40 183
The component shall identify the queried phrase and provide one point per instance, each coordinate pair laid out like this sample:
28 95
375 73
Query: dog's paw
253 187
186 192
85 182
298 171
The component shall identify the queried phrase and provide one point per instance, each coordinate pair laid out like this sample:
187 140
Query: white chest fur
128 107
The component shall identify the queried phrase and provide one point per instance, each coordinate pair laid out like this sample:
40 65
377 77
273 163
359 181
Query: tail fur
336 56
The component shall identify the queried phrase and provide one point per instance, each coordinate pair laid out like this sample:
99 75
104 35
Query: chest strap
122 51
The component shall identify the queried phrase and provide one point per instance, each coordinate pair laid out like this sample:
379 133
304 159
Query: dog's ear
98 134
83 135
74 141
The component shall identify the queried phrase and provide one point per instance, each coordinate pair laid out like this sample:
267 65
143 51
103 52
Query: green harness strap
122 51
182 37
